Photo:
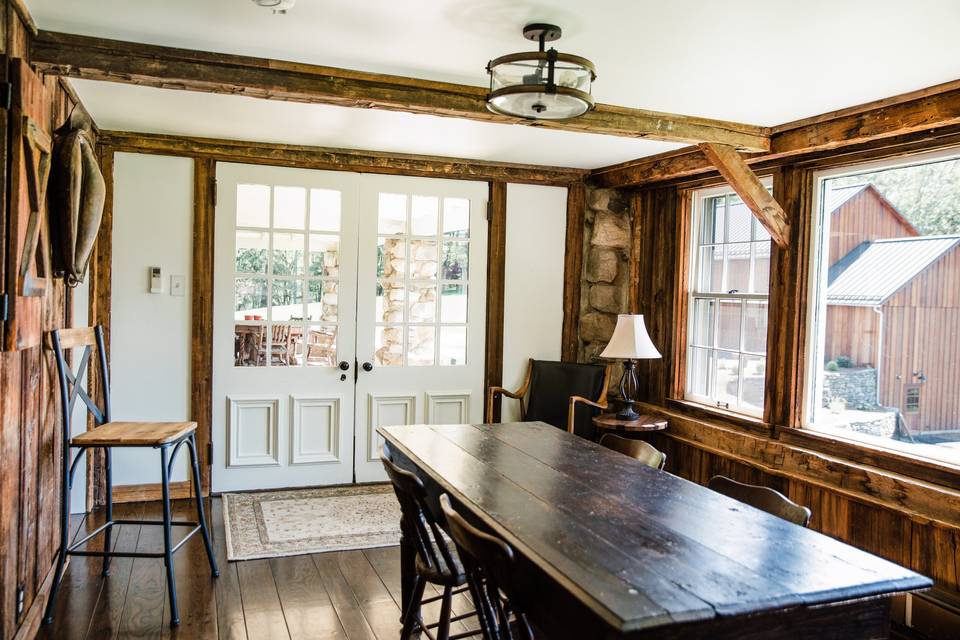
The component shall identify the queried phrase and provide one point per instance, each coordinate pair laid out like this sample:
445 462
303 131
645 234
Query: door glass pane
738 267
453 265
710 278
392 214
320 347
324 210
391 297
753 373
287 300
252 251
456 217
289 207
421 346
280 345
453 346
704 313
755 327
453 303
727 377
423 303
250 298
740 221
322 300
253 205
388 342
711 224
324 258
391 258
246 345
424 214
423 259
728 329
761 267
287 254
701 371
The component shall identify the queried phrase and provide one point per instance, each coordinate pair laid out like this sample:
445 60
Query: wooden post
496 275
201 326
573 272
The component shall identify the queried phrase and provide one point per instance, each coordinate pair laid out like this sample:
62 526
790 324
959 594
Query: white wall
533 291
150 333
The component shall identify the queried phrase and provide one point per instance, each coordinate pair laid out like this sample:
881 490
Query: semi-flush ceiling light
541 85
279 7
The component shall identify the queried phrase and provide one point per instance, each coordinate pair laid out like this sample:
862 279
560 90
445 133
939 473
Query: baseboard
32 619
150 491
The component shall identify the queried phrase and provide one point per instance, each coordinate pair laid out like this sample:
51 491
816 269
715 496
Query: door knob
344 365
368 366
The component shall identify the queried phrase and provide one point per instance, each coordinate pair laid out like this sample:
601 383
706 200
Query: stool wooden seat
134 434
168 438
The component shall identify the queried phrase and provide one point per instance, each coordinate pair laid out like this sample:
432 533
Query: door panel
284 317
420 307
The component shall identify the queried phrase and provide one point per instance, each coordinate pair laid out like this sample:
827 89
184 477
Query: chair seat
443 575
134 434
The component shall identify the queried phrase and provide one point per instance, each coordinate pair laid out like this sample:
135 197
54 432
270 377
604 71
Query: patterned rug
287 523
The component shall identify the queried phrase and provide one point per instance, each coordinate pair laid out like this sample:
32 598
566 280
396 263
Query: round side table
608 422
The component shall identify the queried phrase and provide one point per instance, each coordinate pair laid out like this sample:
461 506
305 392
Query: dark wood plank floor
343 595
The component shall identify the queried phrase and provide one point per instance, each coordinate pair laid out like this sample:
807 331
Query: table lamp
629 342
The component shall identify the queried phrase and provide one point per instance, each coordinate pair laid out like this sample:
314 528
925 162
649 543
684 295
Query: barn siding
865 216
30 424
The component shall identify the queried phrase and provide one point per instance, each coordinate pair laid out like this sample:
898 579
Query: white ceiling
759 61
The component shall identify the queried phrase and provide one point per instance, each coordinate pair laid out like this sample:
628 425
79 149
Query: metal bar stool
168 437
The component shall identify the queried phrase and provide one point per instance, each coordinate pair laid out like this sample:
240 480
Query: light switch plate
178 285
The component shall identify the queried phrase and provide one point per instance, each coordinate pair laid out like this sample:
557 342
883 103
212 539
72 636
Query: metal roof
876 270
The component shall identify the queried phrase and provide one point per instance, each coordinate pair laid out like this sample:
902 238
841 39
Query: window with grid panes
728 306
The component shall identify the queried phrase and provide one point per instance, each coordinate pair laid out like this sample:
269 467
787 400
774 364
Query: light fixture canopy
541 85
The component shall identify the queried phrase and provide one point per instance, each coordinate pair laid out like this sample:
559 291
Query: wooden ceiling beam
167 67
916 112
747 185
338 159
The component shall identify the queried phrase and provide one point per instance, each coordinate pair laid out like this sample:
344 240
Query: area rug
270 524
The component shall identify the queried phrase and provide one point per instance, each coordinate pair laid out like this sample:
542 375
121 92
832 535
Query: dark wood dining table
615 549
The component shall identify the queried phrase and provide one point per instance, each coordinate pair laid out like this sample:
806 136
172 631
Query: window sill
859 452
716 414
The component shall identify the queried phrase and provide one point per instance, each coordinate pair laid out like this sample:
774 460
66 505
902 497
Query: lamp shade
630 340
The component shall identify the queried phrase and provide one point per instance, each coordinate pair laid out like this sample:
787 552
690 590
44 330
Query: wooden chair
436 562
551 392
168 437
763 498
637 449
488 561
280 345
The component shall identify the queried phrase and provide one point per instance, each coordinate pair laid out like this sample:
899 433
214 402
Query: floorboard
340 595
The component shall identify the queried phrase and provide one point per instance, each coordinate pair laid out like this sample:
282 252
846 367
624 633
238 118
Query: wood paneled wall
905 510
30 425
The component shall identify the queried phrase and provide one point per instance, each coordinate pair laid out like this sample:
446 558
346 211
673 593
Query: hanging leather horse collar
77 194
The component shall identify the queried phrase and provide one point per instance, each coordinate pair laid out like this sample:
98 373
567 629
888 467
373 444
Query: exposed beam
745 182
155 66
338 159
930 109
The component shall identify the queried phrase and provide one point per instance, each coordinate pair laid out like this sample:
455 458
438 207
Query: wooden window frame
816 307
694 222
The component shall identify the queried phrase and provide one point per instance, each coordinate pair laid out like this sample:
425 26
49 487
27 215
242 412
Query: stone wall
856 387
606 259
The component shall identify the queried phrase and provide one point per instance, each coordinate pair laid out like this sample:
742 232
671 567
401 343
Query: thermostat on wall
156 281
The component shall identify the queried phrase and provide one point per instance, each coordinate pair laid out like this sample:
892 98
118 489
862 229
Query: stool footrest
74 549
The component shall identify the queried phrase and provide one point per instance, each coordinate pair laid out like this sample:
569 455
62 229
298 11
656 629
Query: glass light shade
520 85
630 340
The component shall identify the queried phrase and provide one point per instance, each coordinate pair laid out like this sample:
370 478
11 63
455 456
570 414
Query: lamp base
628 391
627 413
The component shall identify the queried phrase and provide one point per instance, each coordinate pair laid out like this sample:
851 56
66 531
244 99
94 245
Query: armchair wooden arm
516 395
599 403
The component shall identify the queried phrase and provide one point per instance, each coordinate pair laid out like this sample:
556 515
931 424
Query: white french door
420 307
317 273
